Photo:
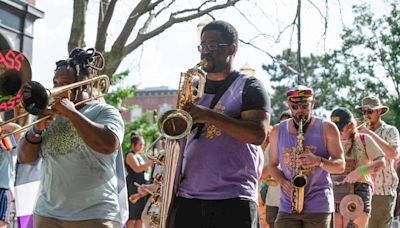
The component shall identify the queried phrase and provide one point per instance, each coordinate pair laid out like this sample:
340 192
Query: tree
146 125
369 59
365 64
315 74
138 24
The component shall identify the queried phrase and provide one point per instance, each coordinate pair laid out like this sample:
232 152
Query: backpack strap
362 137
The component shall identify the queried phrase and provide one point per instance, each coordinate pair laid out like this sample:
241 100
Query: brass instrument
173 124
351 207
367 125
36 99
177 123
270 181
299 179
15 71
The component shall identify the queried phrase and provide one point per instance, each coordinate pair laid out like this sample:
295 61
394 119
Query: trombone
37 105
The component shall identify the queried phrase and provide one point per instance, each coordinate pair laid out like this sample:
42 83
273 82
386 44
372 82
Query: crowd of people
319 172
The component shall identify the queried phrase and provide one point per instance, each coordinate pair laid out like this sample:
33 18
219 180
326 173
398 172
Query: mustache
207 56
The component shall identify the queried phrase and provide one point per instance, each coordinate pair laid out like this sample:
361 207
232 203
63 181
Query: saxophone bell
177 123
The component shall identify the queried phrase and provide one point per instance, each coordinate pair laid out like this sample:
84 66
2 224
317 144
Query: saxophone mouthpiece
203 63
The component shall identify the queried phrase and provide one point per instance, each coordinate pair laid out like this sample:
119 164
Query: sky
160 60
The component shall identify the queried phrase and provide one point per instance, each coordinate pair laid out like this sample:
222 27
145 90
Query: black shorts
195 213
363 190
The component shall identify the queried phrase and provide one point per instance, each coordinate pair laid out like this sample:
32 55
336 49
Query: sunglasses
302 106
367 111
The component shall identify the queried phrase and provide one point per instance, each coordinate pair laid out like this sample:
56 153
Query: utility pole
299 70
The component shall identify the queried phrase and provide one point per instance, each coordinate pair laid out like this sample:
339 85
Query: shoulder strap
216 98
362 137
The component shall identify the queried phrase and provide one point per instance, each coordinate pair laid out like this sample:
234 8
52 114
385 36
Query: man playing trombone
79 147
386 180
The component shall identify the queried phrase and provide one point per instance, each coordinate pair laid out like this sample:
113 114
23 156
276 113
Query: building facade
159 99
16 25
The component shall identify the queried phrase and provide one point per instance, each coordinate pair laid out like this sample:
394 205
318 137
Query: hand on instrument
352 177
308 160
64 107
40 126
287 187
363 129
198 113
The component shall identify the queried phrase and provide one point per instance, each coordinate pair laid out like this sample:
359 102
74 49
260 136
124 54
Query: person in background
273 192
363 157
136 167
386 180
316 152
8 157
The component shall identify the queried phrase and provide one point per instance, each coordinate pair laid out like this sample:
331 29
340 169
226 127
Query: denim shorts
363 190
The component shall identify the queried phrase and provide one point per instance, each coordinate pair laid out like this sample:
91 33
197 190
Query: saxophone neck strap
228 82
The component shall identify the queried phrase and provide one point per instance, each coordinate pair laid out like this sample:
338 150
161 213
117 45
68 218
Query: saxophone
177 123
299 179
173 124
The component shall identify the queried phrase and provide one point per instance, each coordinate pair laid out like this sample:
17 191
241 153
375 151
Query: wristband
363 170
29 141
36 134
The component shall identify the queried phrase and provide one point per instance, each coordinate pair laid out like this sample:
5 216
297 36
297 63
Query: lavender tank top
318 193
216 166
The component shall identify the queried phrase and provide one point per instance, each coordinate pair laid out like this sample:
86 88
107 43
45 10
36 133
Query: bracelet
36 134
363 170
29 141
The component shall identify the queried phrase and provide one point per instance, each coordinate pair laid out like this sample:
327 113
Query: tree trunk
76 38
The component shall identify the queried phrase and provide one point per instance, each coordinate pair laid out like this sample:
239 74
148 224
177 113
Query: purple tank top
217 166
318 193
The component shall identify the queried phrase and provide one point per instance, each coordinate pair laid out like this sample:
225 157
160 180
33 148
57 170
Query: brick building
149 99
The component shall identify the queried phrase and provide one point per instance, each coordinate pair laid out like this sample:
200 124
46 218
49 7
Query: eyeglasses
367 111
210 46
302 106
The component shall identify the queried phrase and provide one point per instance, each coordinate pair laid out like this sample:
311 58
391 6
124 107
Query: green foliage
366 63
115 97
146 125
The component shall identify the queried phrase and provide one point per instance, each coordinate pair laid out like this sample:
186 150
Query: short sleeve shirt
79 183
386 180
362 153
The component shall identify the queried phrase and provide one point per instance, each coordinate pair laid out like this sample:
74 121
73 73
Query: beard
304 117
214 65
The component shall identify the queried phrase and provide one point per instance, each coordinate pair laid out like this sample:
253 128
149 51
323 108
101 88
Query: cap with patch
341 117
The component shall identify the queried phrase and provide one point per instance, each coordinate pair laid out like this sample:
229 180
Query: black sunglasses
367 111
302 106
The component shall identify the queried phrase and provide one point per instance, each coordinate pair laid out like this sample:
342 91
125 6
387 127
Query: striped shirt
386 179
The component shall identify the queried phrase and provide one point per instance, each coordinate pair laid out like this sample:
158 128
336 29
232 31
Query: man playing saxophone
307 147
218 185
